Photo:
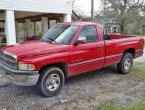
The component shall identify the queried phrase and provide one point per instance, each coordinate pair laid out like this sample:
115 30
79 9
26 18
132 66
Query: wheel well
61 65
131 50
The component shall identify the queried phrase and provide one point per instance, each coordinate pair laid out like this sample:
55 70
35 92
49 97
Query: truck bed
116 45
107 37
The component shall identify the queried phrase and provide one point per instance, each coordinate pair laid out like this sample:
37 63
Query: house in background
109 26
27 18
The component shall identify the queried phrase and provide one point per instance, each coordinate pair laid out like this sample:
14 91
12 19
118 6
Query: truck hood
35 48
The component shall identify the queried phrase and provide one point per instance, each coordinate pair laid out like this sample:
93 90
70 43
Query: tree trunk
122 29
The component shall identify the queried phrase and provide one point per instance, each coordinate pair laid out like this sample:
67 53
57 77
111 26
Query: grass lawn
137 74
140 106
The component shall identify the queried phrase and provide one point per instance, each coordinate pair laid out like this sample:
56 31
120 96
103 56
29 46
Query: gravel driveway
92 84
103 84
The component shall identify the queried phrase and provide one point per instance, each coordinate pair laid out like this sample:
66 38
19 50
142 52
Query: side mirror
81 40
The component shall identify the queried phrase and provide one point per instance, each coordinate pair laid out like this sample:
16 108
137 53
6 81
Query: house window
2 29
114 30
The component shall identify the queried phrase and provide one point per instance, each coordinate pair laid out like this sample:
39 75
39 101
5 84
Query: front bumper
18 77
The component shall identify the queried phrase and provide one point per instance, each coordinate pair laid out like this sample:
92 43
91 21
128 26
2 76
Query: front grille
8 59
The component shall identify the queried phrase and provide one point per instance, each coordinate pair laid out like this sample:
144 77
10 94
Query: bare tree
124 11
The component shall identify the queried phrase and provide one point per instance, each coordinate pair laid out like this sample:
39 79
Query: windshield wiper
52 40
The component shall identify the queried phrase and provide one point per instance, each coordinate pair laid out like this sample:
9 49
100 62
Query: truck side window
90 33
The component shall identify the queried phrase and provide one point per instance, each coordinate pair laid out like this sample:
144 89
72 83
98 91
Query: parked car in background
65 50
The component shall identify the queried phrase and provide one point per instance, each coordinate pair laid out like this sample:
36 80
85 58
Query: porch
19 26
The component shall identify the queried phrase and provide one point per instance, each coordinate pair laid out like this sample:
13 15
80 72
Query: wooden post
34 28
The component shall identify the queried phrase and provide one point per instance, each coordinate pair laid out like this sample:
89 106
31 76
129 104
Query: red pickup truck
65 50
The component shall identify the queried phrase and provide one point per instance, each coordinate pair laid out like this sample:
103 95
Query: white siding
48 6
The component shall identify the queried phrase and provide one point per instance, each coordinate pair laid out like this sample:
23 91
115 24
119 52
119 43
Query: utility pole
92 10
73 2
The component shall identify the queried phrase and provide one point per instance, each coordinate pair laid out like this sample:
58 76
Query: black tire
122 66
45 76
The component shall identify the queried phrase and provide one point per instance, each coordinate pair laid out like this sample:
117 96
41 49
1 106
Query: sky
85 6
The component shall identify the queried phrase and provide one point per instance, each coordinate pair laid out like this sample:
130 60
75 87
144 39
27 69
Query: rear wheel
126 63
51 81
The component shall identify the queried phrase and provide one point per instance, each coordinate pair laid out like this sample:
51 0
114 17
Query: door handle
99 47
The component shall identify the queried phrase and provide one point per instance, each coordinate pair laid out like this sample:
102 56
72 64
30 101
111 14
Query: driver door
88 56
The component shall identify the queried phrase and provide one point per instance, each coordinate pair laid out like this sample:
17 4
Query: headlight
26 67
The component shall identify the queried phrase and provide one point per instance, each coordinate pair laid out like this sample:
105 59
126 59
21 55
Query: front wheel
126 63
51 81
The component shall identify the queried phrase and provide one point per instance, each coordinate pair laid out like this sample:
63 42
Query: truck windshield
60 33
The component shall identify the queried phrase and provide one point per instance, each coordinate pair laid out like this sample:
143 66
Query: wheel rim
53 82
127 63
